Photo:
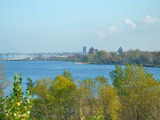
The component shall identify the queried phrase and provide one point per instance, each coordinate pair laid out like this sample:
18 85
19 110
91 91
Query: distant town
48 56
91 56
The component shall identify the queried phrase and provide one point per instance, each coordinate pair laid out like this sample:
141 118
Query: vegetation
130 56
4 82
138 92
134 95
16 106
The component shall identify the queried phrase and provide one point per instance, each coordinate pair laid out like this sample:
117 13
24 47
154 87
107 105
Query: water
41 69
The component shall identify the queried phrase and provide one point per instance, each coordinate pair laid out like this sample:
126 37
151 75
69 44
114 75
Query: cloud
130 22
100 34
148 19
112 29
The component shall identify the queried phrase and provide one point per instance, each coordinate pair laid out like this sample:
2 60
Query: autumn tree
62 95
56 98
85 95
108 100
138 92
42 109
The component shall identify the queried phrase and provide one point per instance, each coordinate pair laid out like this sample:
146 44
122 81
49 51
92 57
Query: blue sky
67 25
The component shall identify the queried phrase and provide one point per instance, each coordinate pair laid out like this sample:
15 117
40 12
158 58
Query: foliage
42 108
102 56
134 95
85 98
4 82
97 95
30 84
138 92
96 116
131 56
16 106
110 102
62 95
56 98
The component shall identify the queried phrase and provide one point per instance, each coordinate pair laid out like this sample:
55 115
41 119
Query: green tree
62 95
102 56
88 58
138 91
16 106
30 85
85 98
4 82
156 58
67 75
42 109
131 56
108 101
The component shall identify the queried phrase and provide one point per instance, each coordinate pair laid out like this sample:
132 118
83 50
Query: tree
113 57
4 82
42 109
138 91
145 58
132 56
156 57
85 98
102 56
67 75
30 85
108 101
62 95
16 106
56 98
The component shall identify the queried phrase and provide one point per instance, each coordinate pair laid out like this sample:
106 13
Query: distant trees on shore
133 95
131 56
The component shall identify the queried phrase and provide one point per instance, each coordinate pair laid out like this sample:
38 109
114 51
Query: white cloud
148 19
130 22
112 29
100 34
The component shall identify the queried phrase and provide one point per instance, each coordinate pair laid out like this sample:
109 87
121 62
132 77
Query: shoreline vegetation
133 95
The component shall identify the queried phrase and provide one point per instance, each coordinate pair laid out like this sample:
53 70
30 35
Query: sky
68 25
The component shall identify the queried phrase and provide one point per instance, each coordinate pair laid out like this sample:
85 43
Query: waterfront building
96 51
91 50
84 50
120 50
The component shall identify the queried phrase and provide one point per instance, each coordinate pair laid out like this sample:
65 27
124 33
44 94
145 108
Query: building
84 50
91 50
96 51
120 50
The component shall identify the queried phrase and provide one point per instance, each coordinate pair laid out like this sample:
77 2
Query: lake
41 69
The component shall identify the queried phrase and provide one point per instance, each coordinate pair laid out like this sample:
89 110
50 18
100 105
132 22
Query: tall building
84 50
96 51
91 50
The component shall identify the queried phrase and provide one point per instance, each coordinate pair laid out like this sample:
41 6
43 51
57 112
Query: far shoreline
86 63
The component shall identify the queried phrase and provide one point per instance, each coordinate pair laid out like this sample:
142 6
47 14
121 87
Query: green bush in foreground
16 106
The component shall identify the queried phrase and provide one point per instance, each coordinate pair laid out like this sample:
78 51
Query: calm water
41 69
